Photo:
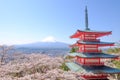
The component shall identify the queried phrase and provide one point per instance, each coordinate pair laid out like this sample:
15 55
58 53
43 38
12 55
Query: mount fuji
54 44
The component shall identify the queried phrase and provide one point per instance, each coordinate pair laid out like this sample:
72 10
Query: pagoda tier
90 46
74 66
89 35
93 55
97 72
90 59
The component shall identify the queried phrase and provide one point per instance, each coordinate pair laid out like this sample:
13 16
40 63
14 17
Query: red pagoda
88 56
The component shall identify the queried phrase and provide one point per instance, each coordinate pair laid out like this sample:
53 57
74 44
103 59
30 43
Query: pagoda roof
94 69
97 33
92 31
93 55
86 42
92 43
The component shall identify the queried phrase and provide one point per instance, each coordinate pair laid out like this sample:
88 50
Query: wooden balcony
90 62
99 76
90 51
92 40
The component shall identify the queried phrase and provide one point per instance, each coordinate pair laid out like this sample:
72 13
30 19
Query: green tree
64 67
74 49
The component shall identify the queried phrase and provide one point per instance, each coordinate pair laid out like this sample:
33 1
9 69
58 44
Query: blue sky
26 21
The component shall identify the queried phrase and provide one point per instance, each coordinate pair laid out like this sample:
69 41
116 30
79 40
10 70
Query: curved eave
102 69
93 55
76 34
99 43
94 69
93 43
97 33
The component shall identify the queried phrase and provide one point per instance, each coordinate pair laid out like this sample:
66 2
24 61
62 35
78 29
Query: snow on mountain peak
49 39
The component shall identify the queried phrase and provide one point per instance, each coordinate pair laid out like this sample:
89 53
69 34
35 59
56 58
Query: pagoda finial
86 19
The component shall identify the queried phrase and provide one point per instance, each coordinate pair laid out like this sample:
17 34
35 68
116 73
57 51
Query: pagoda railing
90 51
96 76
93 64
89 63
92 40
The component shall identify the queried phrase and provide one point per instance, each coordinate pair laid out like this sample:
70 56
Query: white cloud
49 39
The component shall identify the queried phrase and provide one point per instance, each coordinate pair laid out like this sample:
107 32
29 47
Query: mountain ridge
44 45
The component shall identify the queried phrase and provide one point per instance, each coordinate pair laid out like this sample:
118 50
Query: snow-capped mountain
45 45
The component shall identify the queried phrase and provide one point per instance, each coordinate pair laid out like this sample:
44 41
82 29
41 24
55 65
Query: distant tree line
113 50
